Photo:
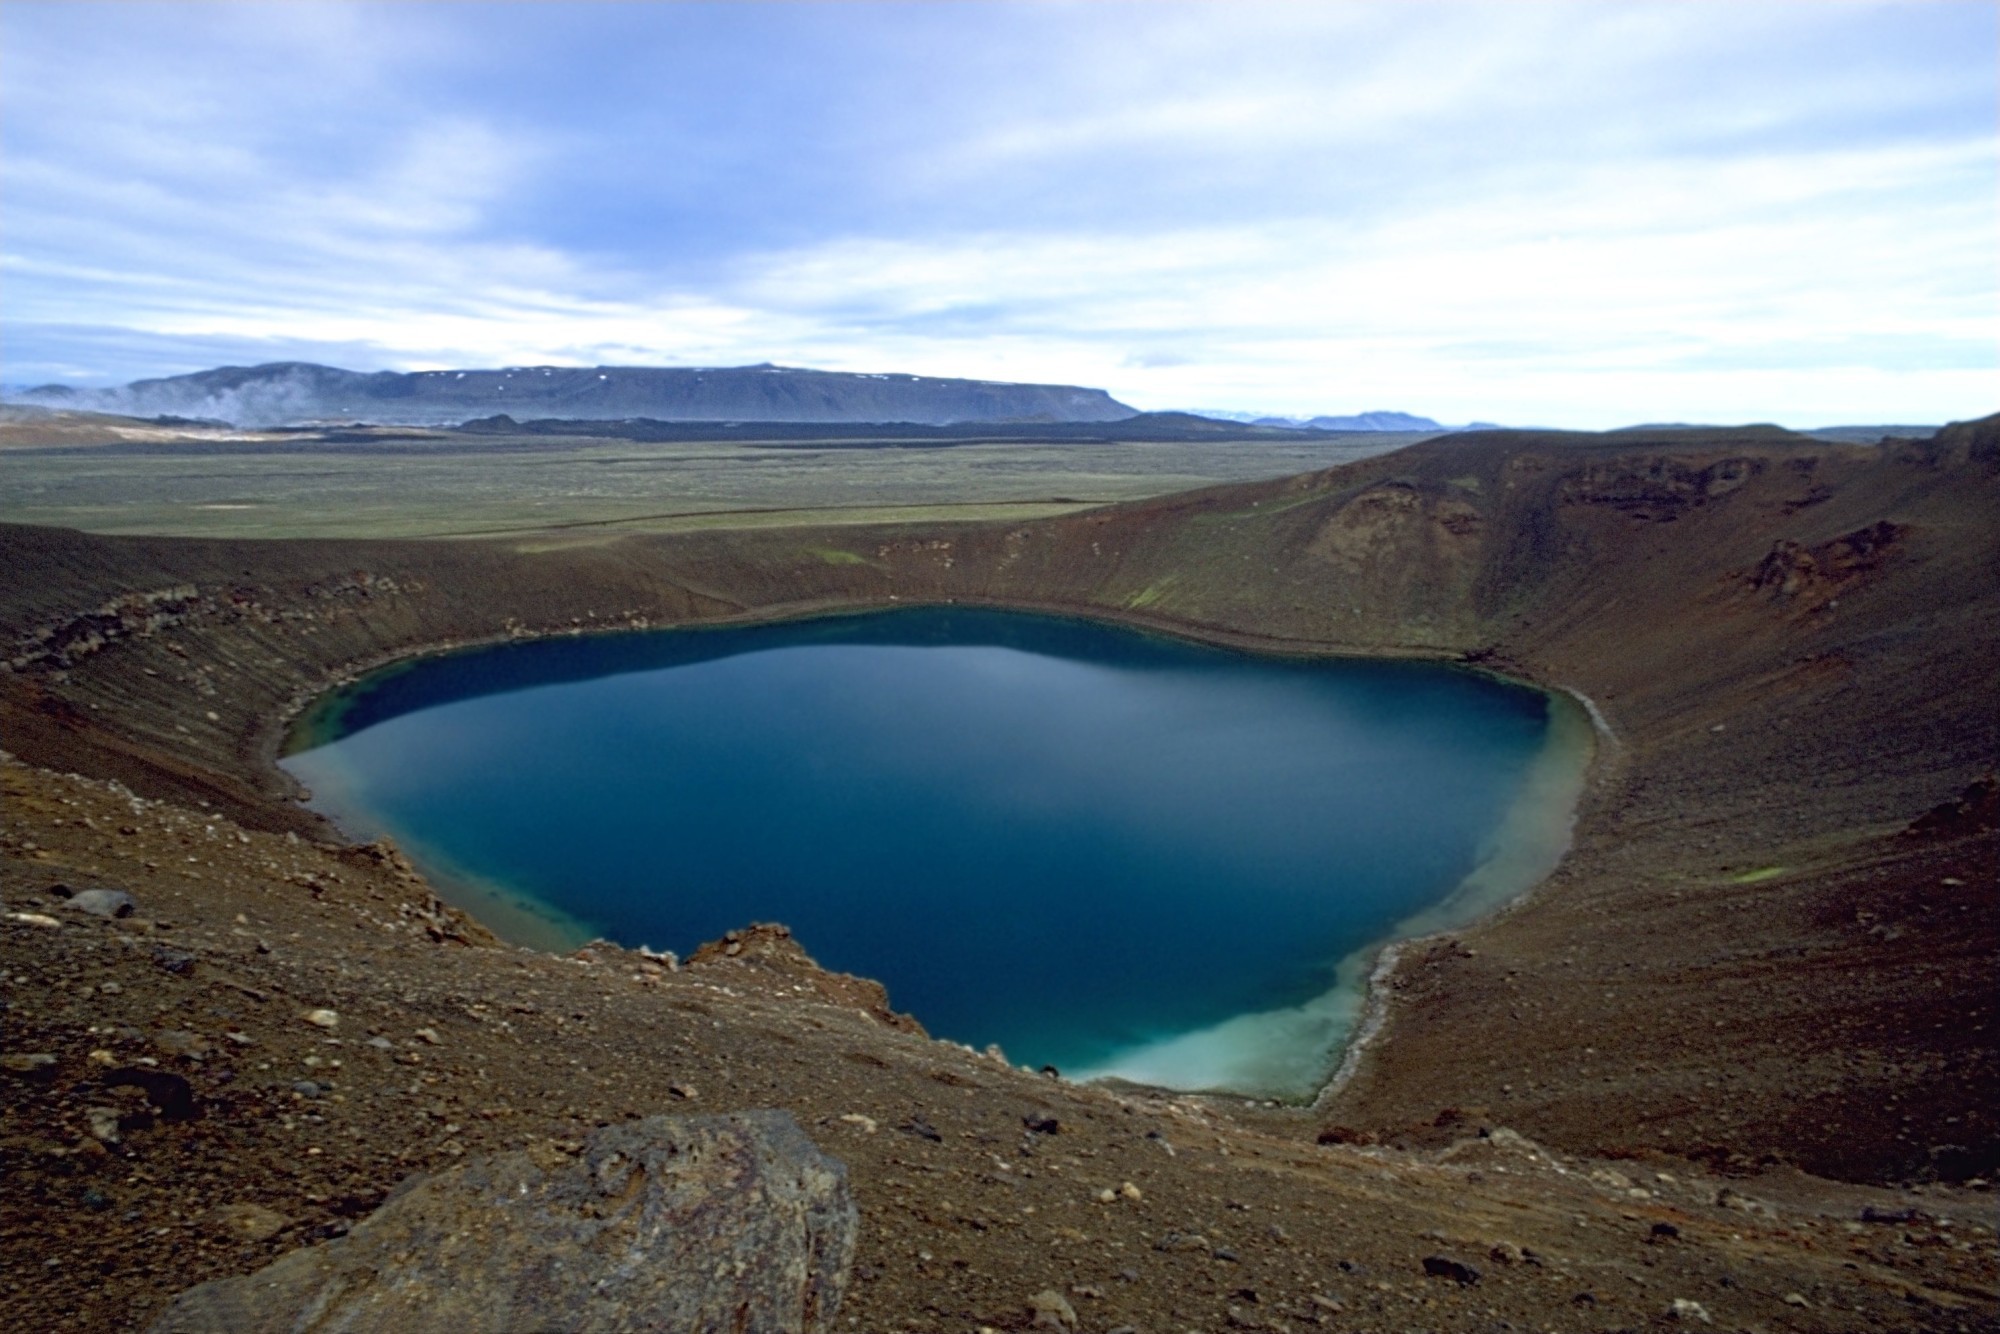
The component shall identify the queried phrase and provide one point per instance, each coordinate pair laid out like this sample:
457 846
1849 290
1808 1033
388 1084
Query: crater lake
1104 850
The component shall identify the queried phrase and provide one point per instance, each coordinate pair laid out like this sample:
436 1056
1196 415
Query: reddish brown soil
1793 646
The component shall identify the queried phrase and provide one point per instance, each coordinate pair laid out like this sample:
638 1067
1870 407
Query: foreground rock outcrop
671 1223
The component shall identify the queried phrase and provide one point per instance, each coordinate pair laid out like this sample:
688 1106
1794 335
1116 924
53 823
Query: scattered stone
178 962
171 1094
1107 1196
430 1036
1443 1266
1225 1254
1796 1299
103 902
1507 1253
1181 1241
95 1200
321 1018
1042 1125
29 1064
34 919
1347 1135
922 1129
307 1088
1733 1199
180 1042
685 1092
1664 1232
103 1123
865 1124
111 988
1870 1214
717 1222
1049 1309
249 1222
1683 1309
380 1043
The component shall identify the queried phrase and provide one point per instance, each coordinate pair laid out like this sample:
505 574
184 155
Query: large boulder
695 1223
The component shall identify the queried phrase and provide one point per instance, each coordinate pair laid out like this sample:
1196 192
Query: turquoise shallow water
1102 850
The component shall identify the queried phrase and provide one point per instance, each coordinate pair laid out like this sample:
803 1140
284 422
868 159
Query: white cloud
1573 213
1641 271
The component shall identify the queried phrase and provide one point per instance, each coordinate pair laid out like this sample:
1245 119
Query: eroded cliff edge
1773 940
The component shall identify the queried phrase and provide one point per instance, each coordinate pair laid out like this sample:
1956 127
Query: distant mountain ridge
1363 421
1358 421
295 392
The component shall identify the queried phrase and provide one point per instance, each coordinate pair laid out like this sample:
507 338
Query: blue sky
1585 214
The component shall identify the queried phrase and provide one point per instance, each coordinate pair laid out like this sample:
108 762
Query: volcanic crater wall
1792 643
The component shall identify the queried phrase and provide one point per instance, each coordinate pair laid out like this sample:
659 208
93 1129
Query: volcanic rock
692 1223
103 902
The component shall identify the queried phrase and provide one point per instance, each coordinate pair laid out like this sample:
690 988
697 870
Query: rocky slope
288 392
281 1032
1769 954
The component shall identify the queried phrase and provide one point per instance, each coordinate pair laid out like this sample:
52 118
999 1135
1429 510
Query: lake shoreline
1327 1032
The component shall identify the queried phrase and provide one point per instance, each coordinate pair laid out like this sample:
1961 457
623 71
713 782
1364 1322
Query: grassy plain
434 484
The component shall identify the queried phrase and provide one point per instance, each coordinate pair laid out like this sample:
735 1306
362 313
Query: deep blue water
1067 838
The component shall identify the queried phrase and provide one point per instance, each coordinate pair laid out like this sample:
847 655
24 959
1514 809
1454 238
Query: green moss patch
835 556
